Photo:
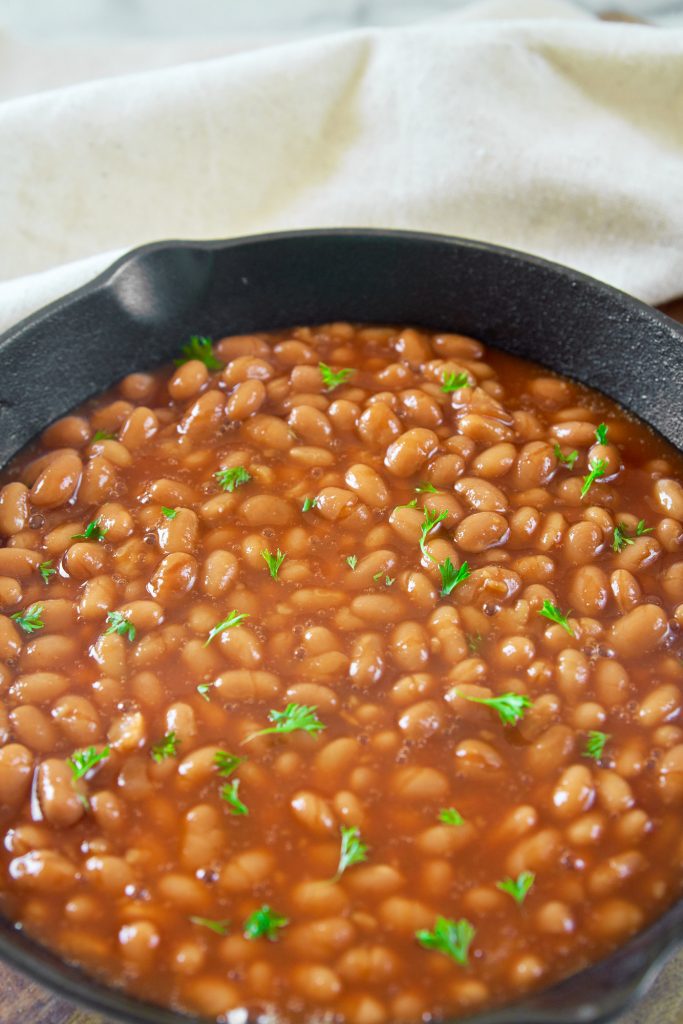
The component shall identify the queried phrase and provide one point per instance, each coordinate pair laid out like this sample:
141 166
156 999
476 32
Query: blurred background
47 43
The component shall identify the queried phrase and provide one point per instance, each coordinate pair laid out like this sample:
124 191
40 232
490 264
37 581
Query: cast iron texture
137 313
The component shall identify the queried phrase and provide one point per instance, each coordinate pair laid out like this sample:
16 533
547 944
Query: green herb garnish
450 576
474 642
235 618
295 717
118 623
229 479
169 513
597 469
621 538
219 927
46 571
103 435
455 381
199 347
601 433
568 460
431 519
408 504
453 938
91 532
82 761
353 851
273 561
264 923
229 793
519 887
595 744
168 747
226 763
449 816
510 706
332 380
552 612
426 488
308 504
203 690
29 620
352 561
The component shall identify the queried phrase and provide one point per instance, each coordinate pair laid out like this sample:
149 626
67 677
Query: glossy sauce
110 870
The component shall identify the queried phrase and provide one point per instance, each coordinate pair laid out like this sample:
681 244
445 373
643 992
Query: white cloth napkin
552 132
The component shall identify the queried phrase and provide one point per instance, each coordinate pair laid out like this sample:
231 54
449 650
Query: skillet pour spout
136 315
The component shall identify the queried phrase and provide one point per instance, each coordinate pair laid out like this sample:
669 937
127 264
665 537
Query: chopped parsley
168 747
295 718
93 531
452 938
332 379
352 561
203 690
118 623
426 488
226 763
568 460
235 618
103 435
169 513
450 576
621 538
199 347
229 479
82 761
29 620
449 816
273 561
229 793
601 433
595 744
510 706
264 923
308 504
552 612
45 569
353 851
455 381
517 887
474 642
219 927
597 469
431 519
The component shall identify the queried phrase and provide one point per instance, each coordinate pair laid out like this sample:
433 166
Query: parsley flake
568 460
426 488
431 519
452 938
455 381
601 433
552 612
93 531
103 435
169 513
219 927
229 793
595 744
517 887
474 642
118 623
226 763
199 347
332 379
353 851
82 761
45 569
229 479
510 706
273 561
621 538
352 561
449 816
295 717
29 620
167 748
203 690
450 576
597 469
308 504
264 923
235 618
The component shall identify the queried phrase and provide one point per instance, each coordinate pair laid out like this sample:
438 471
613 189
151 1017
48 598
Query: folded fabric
553 133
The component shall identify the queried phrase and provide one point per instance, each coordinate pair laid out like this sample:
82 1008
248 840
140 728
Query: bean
421 720
246 685
408 453
20 563
481 531
481 495
663 704
16 771
405 916
32 728
574 792
668 496
57 481
613 919
175 576
14 512
245 400
318 899
211 995
61 799
670 779
313 812
639 632
43 871
534 852
415 782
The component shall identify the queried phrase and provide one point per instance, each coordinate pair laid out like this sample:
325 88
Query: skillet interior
136 314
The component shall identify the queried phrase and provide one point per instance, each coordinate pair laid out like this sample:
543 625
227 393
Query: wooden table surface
24 1002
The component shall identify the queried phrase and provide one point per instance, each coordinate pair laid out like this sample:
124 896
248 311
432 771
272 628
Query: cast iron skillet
136 314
